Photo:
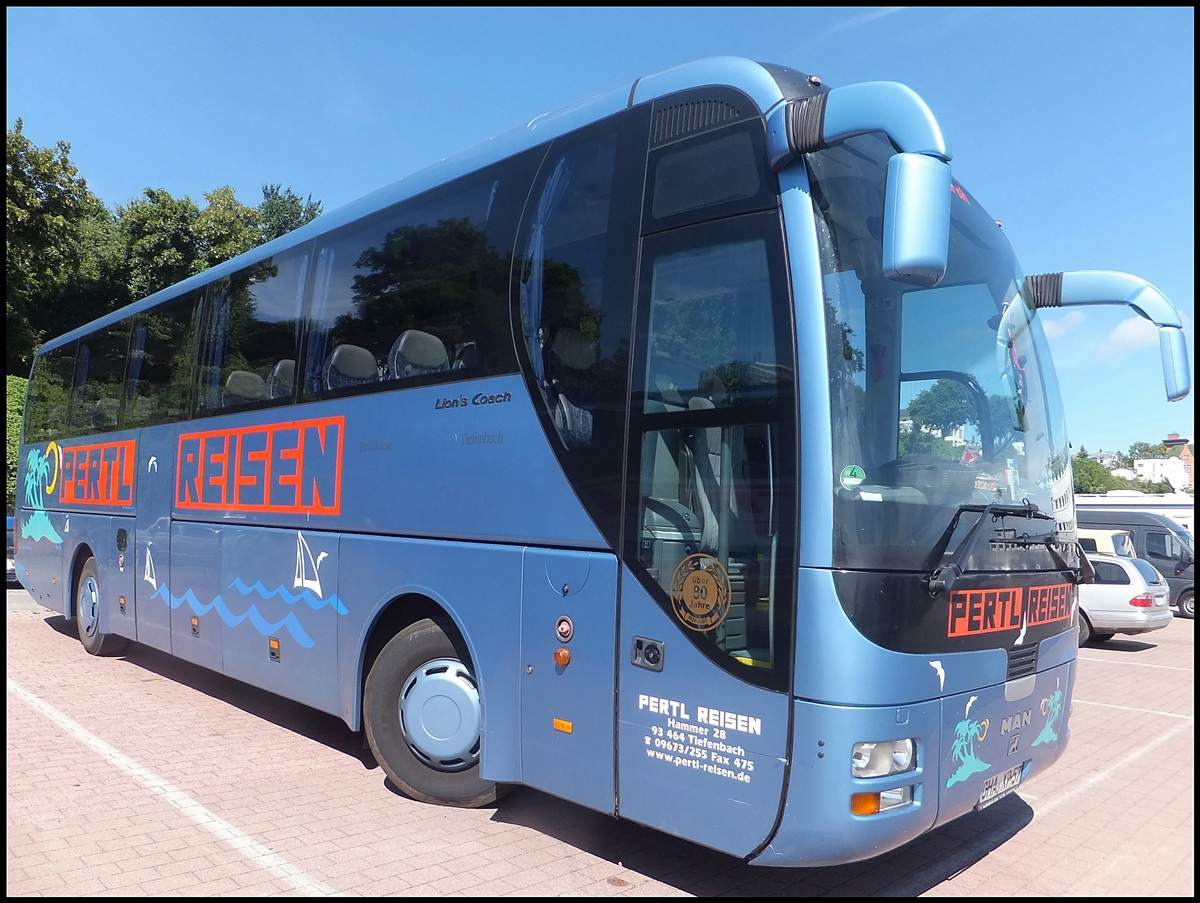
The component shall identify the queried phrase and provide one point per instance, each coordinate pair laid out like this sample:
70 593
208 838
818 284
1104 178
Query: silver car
1129 595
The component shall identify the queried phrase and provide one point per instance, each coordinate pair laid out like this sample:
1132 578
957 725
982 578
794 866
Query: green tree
14 405
48 209
1142 450
71 260
281 211
944 406
226 227
98 285
162 242
1090 476
918 442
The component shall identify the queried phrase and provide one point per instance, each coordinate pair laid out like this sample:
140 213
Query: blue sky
1074 127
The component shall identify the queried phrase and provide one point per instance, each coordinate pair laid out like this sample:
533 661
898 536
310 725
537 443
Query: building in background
1176 466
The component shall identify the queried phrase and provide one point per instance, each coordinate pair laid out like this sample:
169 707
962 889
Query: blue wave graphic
316 603
290 623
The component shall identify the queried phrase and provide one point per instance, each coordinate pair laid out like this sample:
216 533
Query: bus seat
572 354
717 458
670 378
572 350
282 380
349 365
705 493
104 413
242 387
138 411
417 353
466 357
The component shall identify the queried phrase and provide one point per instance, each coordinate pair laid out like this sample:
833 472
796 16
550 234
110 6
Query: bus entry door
568 621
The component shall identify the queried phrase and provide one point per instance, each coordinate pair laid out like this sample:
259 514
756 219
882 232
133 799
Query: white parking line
1111 661
1131 708
261 856
1048 804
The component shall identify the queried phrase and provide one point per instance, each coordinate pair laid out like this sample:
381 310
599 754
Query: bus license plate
999 785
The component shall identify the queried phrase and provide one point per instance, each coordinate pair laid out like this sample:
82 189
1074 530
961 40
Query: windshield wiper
942 578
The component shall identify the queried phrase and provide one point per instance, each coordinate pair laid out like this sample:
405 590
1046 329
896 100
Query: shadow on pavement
301 719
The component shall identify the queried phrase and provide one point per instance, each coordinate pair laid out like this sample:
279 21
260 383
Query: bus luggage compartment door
568 619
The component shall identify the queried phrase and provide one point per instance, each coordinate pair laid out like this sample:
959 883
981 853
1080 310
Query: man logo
1017 721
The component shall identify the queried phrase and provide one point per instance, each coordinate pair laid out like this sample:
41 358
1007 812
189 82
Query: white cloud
1063 325
1130 334
865 18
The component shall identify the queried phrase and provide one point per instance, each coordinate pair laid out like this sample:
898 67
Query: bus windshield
942 399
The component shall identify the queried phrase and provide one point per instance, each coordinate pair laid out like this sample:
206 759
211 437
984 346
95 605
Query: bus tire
1187 605
423 719
87 614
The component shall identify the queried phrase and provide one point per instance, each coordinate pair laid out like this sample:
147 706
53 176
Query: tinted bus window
48 405
251 334
575 291
397 294
100 379
160 363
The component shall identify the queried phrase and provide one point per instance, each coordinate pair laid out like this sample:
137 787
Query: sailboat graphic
149 576
307 576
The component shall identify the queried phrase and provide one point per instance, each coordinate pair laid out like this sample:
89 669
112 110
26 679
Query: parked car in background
1129 595
12 567
1107 542
1159 539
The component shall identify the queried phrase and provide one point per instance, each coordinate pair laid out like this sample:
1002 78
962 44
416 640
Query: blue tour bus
694 455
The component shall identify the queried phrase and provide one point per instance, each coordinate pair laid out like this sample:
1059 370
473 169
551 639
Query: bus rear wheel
423 719
87 614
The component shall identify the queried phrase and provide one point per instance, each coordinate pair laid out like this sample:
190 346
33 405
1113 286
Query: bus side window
47 407
159 380
253 323
409 285
100 378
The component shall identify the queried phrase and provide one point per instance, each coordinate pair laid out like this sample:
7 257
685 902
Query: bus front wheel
1187 604
87 614
423 719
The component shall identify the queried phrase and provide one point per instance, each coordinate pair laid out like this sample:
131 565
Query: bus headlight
882 758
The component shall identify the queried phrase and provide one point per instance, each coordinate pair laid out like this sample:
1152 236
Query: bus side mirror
1096 287
916 214
916 219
